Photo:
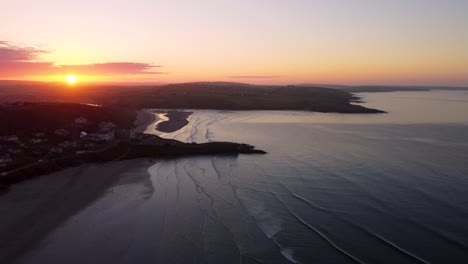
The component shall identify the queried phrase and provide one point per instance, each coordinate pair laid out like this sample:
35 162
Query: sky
385 42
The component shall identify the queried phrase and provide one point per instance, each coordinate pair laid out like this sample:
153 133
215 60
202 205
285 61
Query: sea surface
333 188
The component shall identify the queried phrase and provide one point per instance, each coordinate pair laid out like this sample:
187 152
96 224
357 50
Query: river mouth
172 120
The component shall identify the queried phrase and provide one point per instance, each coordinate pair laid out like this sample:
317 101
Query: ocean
333 188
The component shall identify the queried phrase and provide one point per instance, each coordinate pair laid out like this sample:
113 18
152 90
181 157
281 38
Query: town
43 145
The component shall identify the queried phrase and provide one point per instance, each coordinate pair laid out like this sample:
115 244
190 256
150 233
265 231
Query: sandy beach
32 209
145 117
176 120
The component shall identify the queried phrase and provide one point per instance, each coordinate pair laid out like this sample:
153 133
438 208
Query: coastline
176 121
34 208
144 118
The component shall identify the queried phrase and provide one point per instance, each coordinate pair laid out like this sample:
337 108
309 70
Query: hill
26 118
201 95
385 88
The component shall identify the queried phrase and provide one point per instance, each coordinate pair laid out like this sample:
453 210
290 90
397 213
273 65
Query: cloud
12 53
254 77
17 61
111 68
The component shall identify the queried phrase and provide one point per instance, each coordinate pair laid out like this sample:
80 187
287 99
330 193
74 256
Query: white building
83 134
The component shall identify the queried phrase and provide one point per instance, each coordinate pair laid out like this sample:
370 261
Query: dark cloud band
17 61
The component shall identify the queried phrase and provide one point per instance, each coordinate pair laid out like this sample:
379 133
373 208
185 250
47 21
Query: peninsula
197 95
67 134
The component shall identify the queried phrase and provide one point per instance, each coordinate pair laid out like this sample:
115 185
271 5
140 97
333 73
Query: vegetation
213 95
153 146
33 117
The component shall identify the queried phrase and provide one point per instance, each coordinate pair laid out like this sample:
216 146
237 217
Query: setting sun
71 79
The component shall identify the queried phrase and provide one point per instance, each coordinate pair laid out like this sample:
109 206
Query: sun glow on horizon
72 79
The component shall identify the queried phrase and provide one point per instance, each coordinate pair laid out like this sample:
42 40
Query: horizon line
146 83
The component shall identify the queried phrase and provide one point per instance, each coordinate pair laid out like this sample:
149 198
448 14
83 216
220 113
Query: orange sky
270 42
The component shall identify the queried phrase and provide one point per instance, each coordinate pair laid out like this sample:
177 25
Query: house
68 144
36 140
81 121
10 138
5 159
106 126
83 134
62 132
125 133
90 145
56 150
101 136
39 134
15 150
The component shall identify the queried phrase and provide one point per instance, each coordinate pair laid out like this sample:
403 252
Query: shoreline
30 213
41 204
144 118
176 120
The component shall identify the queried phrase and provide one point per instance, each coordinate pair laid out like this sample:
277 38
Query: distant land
200 95
385 88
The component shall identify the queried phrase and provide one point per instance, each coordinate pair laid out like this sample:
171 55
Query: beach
169 120
144 118
176 120
32 209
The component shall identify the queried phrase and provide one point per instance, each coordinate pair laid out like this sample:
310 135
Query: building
81 121
90 145
15 150
83 134
106 126
125 133
10 138
68 144
101 136
56 150
5 159
37 140
62 132
39 134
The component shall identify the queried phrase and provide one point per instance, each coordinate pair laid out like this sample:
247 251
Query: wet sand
177 120
144 118
32 209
